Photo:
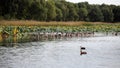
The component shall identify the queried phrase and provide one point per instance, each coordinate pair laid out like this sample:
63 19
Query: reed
52 23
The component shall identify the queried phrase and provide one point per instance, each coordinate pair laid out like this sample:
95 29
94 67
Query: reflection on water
102 52
35 37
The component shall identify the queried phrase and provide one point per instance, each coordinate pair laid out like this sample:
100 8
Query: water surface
102 52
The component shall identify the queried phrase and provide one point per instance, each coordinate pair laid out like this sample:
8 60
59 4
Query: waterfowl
81 52
83 48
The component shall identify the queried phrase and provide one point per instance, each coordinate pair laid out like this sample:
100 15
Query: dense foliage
57 10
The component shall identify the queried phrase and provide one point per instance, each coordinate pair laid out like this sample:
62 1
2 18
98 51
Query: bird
82 48
81 52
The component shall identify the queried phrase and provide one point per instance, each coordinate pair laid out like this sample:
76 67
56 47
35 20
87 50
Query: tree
107 13
51 14
59 14
82 5
36 12
116 12
72 14
95 14
0 12
57 10
62 5
23 7
8 8
83 14
83 11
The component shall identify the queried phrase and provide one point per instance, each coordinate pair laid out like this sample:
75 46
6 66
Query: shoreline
51 23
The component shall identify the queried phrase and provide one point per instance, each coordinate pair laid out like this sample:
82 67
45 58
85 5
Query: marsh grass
34 26
52 23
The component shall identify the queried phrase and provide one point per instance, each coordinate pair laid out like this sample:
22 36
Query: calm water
102 52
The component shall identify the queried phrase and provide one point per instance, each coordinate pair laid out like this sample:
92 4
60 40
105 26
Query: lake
102 52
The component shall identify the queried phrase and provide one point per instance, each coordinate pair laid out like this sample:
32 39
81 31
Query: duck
82 52
82 48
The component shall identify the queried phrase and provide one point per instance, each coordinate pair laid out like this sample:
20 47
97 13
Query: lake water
102 52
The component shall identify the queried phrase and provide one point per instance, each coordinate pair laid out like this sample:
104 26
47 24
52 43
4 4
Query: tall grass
34 26
36 23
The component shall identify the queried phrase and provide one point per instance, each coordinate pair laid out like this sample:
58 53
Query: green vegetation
21 32
57 10
85 27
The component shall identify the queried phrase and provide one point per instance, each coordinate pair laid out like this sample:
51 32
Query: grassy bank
13 27
36 23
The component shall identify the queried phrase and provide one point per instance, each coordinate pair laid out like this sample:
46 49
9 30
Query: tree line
57 10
